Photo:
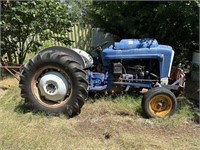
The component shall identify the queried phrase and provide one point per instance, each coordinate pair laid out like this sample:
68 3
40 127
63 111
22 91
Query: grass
106 123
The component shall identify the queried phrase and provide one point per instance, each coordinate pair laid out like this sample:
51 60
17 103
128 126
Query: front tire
54 83
159 102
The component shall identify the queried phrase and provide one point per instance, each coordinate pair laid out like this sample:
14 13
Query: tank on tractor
57 79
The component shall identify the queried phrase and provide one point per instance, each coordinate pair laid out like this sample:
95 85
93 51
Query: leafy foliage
25 25
77 8
172 23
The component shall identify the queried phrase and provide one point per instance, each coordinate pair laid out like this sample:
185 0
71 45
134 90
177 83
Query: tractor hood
135 43
141 49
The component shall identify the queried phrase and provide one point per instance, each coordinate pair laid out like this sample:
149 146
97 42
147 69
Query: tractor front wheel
159 102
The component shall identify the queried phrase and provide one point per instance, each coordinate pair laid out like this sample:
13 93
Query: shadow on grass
94 96
24 108
191 95
132 95
185 108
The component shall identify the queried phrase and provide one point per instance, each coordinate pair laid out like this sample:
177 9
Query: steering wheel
99 46
95 52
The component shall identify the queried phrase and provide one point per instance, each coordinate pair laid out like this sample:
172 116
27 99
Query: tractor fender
88 60
68 51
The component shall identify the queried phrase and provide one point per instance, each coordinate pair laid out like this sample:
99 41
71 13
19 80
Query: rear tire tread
67 62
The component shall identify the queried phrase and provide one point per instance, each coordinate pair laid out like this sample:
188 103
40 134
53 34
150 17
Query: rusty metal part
13 70
177 77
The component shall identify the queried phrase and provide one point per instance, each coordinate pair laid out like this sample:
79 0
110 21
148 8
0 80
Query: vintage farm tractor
57 79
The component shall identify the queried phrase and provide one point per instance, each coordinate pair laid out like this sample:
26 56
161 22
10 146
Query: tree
25 25
172 23
77 8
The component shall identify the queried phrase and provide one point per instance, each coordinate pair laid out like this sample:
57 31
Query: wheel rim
160 105
51 86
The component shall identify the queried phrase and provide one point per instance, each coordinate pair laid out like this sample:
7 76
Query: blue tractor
57 79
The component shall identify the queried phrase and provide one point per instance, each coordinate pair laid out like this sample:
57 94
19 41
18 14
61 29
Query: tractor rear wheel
54 83
159 102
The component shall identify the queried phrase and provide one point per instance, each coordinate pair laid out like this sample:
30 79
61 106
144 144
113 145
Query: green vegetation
25 25
106 123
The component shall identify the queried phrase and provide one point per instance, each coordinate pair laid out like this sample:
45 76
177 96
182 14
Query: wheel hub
160 105
53 86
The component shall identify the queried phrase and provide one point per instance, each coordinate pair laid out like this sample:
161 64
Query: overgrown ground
103 124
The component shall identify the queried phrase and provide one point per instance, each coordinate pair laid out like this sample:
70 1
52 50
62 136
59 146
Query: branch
28 46
19 38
